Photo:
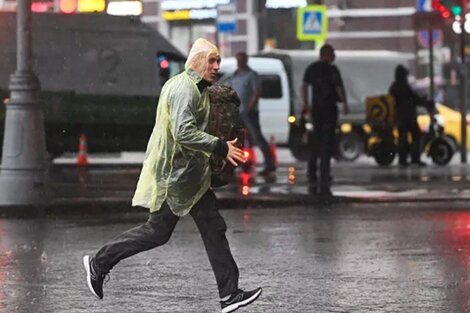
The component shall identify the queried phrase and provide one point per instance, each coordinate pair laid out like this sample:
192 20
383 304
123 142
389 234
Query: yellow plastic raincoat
176 165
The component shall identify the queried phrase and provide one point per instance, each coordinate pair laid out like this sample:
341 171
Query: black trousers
157 231
414 149
322 145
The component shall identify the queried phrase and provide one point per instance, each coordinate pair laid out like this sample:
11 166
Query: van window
270 86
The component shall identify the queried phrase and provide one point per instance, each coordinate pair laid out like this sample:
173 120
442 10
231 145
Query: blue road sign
226 27
226 18
423 36
312 23
420 5
437 37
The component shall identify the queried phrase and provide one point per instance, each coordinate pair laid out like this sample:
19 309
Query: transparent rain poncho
176 165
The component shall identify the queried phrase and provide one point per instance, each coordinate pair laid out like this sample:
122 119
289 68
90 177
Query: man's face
212 68
242 61
330 56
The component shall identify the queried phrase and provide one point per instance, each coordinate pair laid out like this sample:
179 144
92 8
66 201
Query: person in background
175 181
406 103
245 82
326 87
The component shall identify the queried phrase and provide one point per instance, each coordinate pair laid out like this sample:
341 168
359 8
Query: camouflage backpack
224 122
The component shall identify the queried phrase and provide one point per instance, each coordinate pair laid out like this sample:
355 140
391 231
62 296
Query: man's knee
214 226
160 227
158 233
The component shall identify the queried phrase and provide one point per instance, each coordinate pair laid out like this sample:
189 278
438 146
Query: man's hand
234 154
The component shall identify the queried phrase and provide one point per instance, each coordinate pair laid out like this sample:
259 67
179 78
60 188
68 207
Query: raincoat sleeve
184 128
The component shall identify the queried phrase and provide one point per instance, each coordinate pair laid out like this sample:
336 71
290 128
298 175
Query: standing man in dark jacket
406 102
326 85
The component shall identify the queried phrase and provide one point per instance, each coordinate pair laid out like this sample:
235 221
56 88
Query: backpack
224 122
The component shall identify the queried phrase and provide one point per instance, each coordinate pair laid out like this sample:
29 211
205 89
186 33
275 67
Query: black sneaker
94 277
239 299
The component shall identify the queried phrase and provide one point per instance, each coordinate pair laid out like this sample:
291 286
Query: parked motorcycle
383 144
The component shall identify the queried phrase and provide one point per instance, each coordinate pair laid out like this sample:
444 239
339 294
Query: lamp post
463 87
24 162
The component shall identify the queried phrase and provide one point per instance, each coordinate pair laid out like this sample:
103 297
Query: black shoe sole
86 264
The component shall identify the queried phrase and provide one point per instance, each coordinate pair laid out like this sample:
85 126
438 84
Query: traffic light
164 67
447 8
456 10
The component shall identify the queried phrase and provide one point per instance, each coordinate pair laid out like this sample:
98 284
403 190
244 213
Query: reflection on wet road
341 258
350 180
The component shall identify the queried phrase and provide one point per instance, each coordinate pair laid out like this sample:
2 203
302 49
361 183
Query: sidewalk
109 186
360 181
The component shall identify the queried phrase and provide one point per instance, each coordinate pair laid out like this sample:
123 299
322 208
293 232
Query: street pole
216 34
24 162
431 64
463 87
216 37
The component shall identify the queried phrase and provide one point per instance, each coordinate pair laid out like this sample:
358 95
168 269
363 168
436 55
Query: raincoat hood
401 73
198 58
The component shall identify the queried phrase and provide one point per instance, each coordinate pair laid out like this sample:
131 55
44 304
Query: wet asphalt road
339 258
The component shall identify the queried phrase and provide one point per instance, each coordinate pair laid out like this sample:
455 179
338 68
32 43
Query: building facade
353 24
183 21
372 25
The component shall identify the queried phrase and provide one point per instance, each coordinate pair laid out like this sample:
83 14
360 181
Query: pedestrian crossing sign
312 23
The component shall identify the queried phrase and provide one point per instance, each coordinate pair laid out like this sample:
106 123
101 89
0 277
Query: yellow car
451 121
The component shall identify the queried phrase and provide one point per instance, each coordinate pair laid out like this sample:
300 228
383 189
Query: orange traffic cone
82 159
273 149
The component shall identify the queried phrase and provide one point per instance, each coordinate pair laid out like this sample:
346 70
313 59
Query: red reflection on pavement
245 183
246 216
247 221
455 240
457 233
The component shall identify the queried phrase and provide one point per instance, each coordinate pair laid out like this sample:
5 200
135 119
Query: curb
99 206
